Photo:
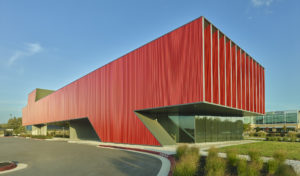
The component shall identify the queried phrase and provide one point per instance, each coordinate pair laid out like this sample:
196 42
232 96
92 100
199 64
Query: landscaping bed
268 148
7 166
189 163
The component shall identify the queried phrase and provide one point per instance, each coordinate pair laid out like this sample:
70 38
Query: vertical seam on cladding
259 103
219 86
225 70
249 85
203 58
241 80
236 85
211 67
230 75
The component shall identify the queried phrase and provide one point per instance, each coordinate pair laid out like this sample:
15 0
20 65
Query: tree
16 124
246 127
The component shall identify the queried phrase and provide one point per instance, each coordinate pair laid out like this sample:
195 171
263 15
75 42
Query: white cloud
259 3
30 50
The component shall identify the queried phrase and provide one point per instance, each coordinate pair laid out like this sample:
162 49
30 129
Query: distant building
276 121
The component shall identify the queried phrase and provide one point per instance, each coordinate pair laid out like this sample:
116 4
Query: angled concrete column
81 129
40 129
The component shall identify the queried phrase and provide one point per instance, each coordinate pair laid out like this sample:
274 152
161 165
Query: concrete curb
168 162
20 166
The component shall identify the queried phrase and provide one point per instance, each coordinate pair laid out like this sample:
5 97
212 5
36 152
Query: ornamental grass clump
187 166
181 150
214 166
255 164
188 161
276 165
232 160
242 166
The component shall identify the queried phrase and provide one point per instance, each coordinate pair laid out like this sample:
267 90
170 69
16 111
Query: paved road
55 158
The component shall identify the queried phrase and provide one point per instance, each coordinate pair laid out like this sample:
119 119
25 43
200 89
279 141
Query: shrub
187 166
286 139
214 166
292 134
242 167
181 150
261 134
251 134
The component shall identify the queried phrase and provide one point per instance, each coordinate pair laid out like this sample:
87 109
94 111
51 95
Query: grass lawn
267 148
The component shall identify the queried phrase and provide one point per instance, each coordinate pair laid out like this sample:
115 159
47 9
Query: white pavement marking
19 167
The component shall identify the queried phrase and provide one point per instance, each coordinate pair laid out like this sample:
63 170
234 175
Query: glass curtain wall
212 128
278 117
191 128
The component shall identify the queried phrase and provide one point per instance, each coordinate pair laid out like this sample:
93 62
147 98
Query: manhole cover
7 165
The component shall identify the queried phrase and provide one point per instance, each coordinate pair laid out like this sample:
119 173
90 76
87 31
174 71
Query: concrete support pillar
40 129
82 129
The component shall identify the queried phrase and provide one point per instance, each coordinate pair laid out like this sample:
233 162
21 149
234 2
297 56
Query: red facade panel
234 79
181 67
228 72
243 73
251 86
263 94
208 62
222 69
215 57
258 89
255 86
238 81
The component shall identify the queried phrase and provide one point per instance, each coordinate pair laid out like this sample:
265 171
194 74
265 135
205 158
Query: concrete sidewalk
170 149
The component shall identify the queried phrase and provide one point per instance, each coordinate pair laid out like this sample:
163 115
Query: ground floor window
197 128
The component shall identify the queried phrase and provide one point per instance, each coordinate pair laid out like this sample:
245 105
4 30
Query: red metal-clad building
175 88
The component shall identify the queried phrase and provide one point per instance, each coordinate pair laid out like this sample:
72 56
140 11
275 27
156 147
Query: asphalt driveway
55 158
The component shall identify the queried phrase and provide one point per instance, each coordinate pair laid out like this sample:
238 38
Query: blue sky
48 44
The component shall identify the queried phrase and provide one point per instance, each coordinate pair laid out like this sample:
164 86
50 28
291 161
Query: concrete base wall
39 129
83 130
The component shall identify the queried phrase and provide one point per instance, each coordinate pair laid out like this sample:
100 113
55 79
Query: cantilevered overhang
200 108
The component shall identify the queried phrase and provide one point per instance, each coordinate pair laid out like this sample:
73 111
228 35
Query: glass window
291 117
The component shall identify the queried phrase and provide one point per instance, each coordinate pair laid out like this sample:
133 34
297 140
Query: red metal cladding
234 79
238 81
263 92
254 86
251 85
258 90
247 83
215 56
243 72
222 68
228 72
208 62
190 64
